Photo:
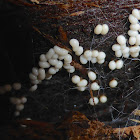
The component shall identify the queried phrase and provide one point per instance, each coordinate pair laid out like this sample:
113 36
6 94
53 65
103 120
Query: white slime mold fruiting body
136 13
79 51
49 54
132 19
75 79
126 55
71 70
126 50
105 29
93 60
60 51
43 57
103 99
53 62
81 88
44 64
132 40
33 88
121 40
138 39
17 86
82 83
95 86
35 82
52 71
19 107
41 74
93 101
35 71
74 43
32 76
112 65
68 58
135 27
23 100
101 55
118 53
134 49
119 64
88 54
59 65
98 29
113 83
83 60
91 75
132 33
55 56
101 61
95 53
116 47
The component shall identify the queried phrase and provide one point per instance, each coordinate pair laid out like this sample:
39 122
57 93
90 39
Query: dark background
20 47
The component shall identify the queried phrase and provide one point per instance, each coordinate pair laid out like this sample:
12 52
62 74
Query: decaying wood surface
58 22
75 126
128 131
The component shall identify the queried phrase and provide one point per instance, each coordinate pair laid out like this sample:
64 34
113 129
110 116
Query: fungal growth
85 66
101 29
57 57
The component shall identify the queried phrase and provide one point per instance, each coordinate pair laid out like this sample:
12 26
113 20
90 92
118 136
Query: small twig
92 4
51 39
91 94
77 13
63 34
129 6
136 112
79 67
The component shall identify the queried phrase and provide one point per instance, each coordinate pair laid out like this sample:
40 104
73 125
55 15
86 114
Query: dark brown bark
55 23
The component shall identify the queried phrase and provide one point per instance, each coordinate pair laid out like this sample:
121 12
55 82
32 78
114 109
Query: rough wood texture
55 23
75 126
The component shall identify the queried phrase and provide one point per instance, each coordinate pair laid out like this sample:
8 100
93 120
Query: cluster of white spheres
92 75
113 83
95 86
115 65
19 103
134 38
75 47
101 29
56 56
95 100
121 40
7 87
81 83
121 49
103 99
88 55
134 51
93 56
53 61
